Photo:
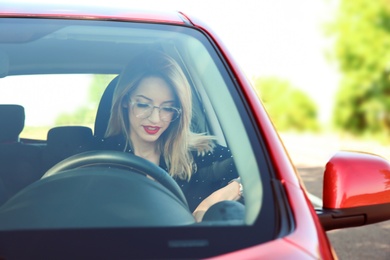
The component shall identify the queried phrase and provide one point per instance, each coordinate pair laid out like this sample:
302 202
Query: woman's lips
151 129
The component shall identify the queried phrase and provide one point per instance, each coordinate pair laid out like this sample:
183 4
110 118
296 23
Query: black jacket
212 171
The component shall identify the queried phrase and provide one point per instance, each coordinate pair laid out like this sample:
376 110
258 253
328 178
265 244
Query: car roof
91 12
33 62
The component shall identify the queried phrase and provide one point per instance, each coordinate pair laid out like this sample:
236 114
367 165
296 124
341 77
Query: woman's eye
143 105
168 109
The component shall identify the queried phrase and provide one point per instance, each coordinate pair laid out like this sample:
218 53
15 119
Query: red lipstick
151 129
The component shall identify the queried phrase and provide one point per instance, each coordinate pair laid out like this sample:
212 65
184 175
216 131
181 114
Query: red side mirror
356 190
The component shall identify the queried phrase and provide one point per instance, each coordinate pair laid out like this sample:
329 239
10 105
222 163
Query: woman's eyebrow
142 96
151 100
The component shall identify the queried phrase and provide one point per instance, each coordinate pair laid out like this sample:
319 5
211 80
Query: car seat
65 141
20 164
104 109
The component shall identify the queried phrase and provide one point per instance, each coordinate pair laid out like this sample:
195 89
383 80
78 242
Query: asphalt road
310 153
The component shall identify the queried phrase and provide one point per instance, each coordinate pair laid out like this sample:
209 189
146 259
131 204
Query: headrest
104 110
69 136
12 122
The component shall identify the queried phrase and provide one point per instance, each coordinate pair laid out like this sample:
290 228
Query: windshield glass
82 99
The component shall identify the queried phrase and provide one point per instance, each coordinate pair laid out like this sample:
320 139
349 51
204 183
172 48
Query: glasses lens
144 110
169 114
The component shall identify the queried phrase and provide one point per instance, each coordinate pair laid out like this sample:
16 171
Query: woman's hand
229 192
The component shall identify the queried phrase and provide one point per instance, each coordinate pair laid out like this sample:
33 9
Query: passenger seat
20 164
65 141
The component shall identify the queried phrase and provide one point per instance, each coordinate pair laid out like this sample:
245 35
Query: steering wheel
119 160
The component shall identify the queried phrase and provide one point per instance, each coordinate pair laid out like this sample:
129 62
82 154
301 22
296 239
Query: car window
63 100
59 71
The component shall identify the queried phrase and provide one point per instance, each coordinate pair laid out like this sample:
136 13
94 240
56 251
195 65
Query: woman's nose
155 115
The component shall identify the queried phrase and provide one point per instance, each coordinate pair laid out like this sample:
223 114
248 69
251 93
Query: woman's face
151 94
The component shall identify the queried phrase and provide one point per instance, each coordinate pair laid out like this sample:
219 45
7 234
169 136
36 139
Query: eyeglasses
145 110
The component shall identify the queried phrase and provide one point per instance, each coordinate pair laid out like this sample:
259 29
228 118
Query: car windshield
57 88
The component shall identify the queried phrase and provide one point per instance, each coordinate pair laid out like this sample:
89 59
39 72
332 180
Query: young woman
151 115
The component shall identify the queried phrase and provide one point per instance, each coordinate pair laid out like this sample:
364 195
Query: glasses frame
151 108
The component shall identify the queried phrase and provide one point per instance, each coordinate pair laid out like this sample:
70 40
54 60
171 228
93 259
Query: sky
279 38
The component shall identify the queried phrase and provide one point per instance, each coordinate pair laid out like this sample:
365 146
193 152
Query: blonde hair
177 142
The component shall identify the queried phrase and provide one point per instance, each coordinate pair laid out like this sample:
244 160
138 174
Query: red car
64 193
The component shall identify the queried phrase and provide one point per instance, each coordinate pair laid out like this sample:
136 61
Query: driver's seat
104 109
198 123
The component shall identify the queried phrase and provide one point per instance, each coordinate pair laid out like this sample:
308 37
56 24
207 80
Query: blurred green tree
362 49
86 114
288 107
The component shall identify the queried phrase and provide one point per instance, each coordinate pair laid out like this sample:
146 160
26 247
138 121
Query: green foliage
362 48
99 84
288 107
86 114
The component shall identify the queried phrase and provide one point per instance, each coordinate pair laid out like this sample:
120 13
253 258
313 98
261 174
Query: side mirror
356 191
